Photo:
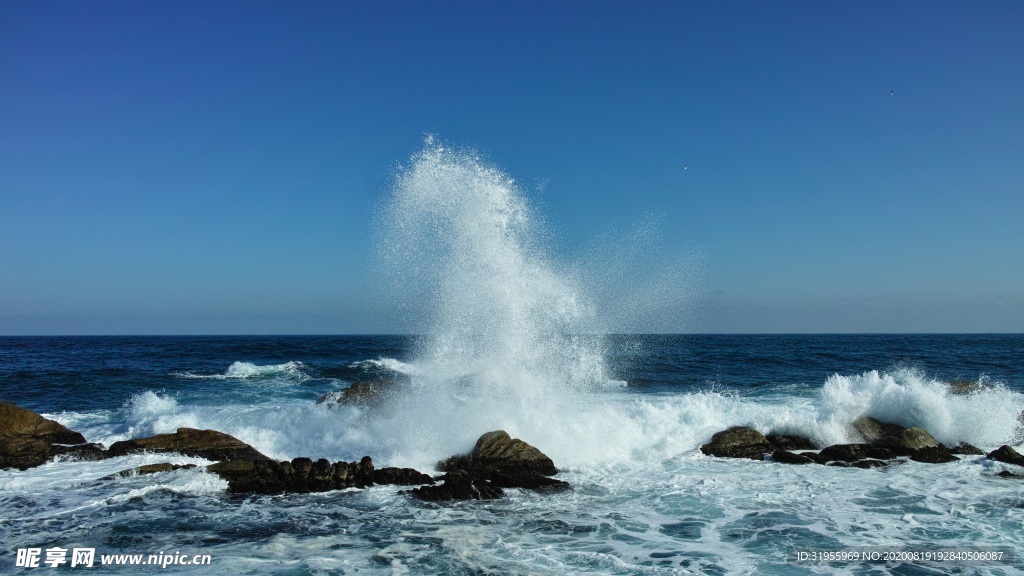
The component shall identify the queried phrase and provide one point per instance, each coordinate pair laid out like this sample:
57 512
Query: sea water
508 338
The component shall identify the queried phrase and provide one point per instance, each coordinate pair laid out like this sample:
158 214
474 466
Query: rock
497 461
787 457
149 469
966 449
459 485
965 387
790 442
867 429
400 477
28 440
1008 474
18 422
869 463
907 441
208 444
359 393
1006 454
933 455
855 452
814 456
738 442
23 453
299 475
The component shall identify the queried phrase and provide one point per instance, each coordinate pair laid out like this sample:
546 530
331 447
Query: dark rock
738 442
400 477
299 475
787 457
907 441
497 461
966 449
149 469
459 485
933 455
208 444
1006 454
855 452
814 456
1008 474
86 452
359 393
789 442
23 453
869 463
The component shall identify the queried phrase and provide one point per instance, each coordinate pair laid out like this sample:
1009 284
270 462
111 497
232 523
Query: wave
243 370
388 364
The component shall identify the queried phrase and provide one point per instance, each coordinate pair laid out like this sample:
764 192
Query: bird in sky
891 92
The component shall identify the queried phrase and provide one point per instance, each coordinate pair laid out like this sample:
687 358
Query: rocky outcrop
28 440
738 442
743 442
1006 454
878 443
497 461
966 449
148 469
358 393
304 475
208 444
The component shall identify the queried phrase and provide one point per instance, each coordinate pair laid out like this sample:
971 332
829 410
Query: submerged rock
966 449
497 461
787 457
147 469
790 442
208 444
359 393
1006 454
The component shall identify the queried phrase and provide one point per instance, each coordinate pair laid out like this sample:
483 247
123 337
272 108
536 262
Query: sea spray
510 339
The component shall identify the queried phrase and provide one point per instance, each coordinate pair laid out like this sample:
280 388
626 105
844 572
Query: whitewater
509 337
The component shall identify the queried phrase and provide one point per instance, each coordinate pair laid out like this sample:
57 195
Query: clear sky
214 167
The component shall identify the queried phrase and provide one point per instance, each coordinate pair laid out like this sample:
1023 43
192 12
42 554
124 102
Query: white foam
244 370
390 364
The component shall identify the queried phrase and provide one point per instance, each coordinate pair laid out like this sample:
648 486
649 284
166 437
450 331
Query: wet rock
28 440
933 455
965 387
868 430
1006 454
908 441
149 469
23 453
869 463
1008 474
208 444
787 457
301 475
790 442
738 442
497 461
400 477
459 485
855 452
814 456
966 449
359 393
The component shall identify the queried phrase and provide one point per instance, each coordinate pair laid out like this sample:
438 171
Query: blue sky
197 168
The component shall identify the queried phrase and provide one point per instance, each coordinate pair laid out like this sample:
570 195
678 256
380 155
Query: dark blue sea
623 417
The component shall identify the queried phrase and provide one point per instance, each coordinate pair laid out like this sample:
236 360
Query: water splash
509 337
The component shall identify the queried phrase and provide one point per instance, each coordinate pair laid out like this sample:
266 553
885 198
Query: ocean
510 337
644 498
